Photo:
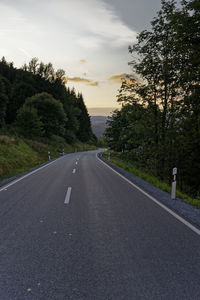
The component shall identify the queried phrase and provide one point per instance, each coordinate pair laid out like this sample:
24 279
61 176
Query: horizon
101 111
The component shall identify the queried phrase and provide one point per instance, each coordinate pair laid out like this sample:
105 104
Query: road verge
185 210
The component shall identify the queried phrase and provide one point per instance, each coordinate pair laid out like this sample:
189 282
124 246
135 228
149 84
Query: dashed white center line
74 171
76 163
67 197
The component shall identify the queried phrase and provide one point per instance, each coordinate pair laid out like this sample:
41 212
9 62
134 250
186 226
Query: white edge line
74 171
21 178
193 228
68 194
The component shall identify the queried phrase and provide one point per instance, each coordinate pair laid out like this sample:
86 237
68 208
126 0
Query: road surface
75 229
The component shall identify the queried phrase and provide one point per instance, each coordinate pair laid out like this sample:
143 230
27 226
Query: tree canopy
58 109
159 123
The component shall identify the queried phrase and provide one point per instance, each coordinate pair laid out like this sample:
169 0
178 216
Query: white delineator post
173 193
49 154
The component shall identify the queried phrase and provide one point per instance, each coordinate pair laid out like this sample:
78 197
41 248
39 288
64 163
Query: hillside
98 124
18 154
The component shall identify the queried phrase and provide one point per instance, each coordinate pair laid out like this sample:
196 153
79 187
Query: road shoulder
185 210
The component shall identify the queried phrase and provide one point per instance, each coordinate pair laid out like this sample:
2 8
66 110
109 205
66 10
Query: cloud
90 27
83 80
25 52
118 78
97 23
13 21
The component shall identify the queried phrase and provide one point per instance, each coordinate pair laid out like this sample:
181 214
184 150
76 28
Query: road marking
21 178
182 220
74 171
76 163
67 197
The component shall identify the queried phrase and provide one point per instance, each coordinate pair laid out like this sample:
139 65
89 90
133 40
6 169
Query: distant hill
98 125
101 111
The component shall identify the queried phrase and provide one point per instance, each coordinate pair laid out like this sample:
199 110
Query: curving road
75 229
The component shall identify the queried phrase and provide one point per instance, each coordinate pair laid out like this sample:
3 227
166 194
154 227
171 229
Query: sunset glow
88 39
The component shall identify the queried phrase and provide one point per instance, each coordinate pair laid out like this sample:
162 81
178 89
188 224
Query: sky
89 39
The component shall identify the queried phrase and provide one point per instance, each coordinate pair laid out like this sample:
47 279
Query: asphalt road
74 229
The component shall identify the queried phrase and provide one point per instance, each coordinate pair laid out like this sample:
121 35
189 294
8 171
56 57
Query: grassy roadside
18 154
129 166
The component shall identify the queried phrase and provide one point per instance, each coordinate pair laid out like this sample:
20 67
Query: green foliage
102 142
130 166
70 117
19 92
3 102
15 156
28 122
70 137
50 112
19 154
159 123
85 132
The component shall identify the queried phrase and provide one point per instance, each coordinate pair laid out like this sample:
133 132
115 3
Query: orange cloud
83 80
118 78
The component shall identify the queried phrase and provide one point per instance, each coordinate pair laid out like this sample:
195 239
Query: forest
158 125
35 102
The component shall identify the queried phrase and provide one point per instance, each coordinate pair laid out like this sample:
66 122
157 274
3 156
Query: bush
50 111
3 103
70 137
28 122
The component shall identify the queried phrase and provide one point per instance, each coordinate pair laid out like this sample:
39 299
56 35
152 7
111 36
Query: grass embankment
18 154
130 167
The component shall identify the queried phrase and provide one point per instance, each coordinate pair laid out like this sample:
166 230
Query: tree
60 75
33 65
50 111
85 132
160 115
35 78
3 102
158 67
72 111
19 92
113 133
130 129
186 25
102 141
28 122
